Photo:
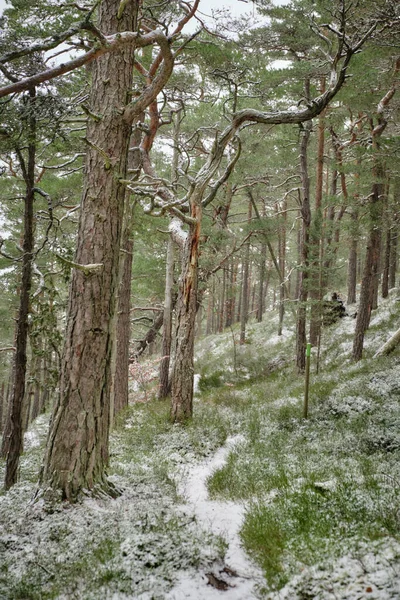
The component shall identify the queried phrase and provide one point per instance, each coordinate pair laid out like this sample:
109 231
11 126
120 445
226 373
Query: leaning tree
341 44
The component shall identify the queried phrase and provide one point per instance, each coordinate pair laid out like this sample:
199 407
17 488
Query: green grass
315 488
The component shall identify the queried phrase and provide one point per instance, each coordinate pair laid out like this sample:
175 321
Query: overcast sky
236 7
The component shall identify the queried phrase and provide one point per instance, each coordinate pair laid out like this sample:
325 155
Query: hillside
315 502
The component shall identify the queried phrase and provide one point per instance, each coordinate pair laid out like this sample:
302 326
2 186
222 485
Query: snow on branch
109 43
179 235
49 43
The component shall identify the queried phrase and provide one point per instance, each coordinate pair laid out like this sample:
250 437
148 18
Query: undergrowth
315 489
134 546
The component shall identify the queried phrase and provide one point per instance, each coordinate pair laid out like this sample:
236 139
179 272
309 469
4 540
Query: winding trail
224 518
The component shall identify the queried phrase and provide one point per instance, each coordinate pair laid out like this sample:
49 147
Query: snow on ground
224 518
374 574
131 547
163 538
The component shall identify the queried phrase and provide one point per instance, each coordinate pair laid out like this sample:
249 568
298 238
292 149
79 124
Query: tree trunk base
102 491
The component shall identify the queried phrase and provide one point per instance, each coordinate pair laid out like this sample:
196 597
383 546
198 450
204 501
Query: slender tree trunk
27 407
253 298
38 377
2 405
228 296
394 233
370 272
164 388
183 368
386 263
352 267
44 389
13 445
6 420
329 254
164 377
266 287
199 328
239 296
77 447
263 262
209 312
250 288
244 315
282 267
217 304
222 302
371 267
123 325
393 257
306 222
315 246
377 272
231 299
298 271
213 307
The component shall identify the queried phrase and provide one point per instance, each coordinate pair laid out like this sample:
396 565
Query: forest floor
249 500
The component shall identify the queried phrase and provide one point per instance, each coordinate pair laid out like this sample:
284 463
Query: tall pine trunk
371 268
183 368
244 314
394 231
13 437
261 284
370 271
77 448
123 325
164 388
353 253
315 246
304 243
282 266
386 258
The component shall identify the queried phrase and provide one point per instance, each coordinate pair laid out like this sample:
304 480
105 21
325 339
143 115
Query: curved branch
152 90
225 176
112 44
48 44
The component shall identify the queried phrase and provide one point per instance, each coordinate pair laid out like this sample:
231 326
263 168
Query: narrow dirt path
237 577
